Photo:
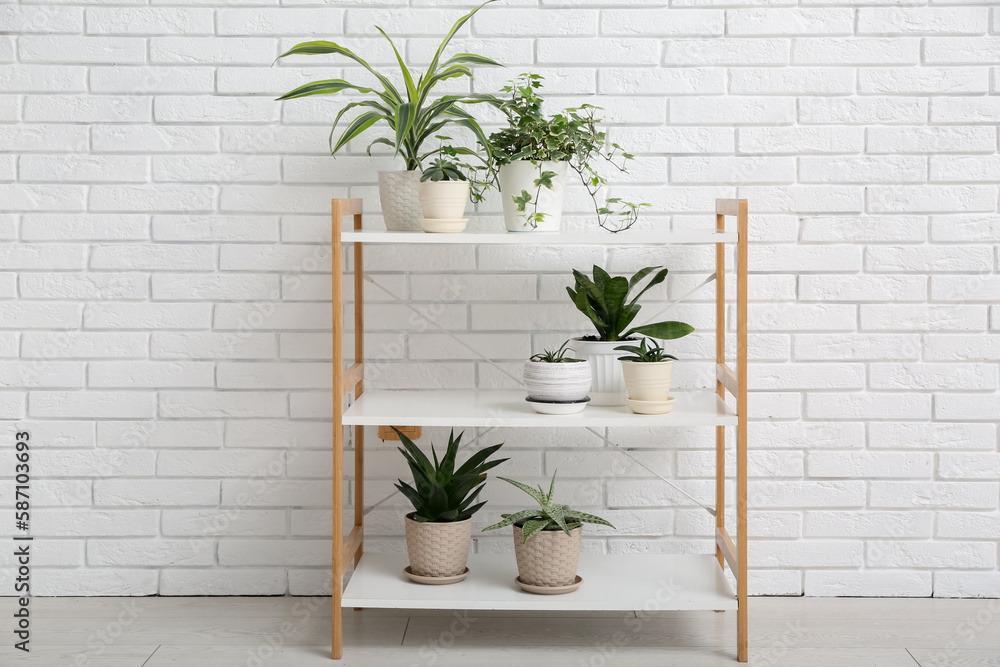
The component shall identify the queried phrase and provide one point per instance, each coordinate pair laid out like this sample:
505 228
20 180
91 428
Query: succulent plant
443 169
642 353
557 357
550 516
440 493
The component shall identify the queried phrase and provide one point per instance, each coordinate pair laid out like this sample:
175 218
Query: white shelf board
542 238
495 407
616 582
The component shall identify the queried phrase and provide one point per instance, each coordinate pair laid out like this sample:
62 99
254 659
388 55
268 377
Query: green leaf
508 519
324 47
476 460
404 119
657 279
545 180
555 512
522 200
534 493
324 87
552 484
531 527
451 33
663 330
583 517
411 90
471 59
380 140
614 296
639 275
357 126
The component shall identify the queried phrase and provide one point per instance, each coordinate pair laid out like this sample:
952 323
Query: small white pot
608 384
520 175
443 200
569 381
400 198
648 381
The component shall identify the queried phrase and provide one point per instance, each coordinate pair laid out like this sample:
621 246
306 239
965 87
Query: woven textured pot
549 558
557 382
438 549
400 197
608 386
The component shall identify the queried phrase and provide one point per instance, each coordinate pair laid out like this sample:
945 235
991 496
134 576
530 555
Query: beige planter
398 193
549 558
438 549
648 381
443 200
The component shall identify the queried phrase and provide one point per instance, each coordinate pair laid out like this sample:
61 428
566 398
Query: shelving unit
613 582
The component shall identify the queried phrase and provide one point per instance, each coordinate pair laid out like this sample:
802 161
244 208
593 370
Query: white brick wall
164 282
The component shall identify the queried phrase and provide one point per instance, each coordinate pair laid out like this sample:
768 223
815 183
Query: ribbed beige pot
438 549
648 380
549 558
399 195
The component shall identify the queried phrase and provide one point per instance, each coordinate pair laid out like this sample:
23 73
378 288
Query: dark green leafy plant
605 301
550 516
573 136
641 353
440 493
556 357
412 117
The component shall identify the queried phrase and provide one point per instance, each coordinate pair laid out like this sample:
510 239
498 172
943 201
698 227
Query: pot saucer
558 407
651 407
549 590
443 225
434 581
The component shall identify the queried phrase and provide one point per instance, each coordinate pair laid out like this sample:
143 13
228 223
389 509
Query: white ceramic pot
648 381
443 200
520 175
549 558
569 381
399 194
438 549
608 387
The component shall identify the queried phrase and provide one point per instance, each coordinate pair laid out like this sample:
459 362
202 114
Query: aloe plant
557 356
440 493
643 354
605 301
550 516
411 116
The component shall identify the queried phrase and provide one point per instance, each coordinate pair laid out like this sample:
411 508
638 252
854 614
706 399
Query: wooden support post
337 270
720 389
359 358
742 626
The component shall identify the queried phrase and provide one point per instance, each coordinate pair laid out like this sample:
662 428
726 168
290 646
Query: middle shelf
497 407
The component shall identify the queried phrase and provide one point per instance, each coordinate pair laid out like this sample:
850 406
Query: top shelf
489 237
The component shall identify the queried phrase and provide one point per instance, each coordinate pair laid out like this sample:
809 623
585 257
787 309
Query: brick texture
165 287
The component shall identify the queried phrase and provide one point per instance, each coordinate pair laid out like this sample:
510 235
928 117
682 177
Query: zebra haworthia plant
549 516
411 116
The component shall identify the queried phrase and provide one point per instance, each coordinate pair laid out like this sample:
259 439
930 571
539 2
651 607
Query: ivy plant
574 136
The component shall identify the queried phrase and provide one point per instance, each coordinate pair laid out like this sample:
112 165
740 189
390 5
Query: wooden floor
294 632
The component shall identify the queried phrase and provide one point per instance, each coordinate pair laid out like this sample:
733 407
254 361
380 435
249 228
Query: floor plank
114 655
956 657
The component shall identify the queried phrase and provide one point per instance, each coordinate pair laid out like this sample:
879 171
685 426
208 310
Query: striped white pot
608 386
568 381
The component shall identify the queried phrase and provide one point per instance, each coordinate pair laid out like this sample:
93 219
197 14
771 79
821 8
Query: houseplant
648 372
444 191
547 541
411 116
534 152
439 530
605 301
557 383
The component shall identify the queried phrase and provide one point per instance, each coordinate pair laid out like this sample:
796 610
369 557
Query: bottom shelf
610 582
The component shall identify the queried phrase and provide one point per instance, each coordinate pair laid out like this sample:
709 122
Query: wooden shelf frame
734 381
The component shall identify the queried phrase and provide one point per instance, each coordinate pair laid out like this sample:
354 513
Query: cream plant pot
443 200
438 549
520 175
608 386
648 380
549 558
568 381
399 194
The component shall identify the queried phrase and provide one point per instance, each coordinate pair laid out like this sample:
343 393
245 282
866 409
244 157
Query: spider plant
411 116
549 516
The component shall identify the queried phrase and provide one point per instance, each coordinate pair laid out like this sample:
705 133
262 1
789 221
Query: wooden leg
742 626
